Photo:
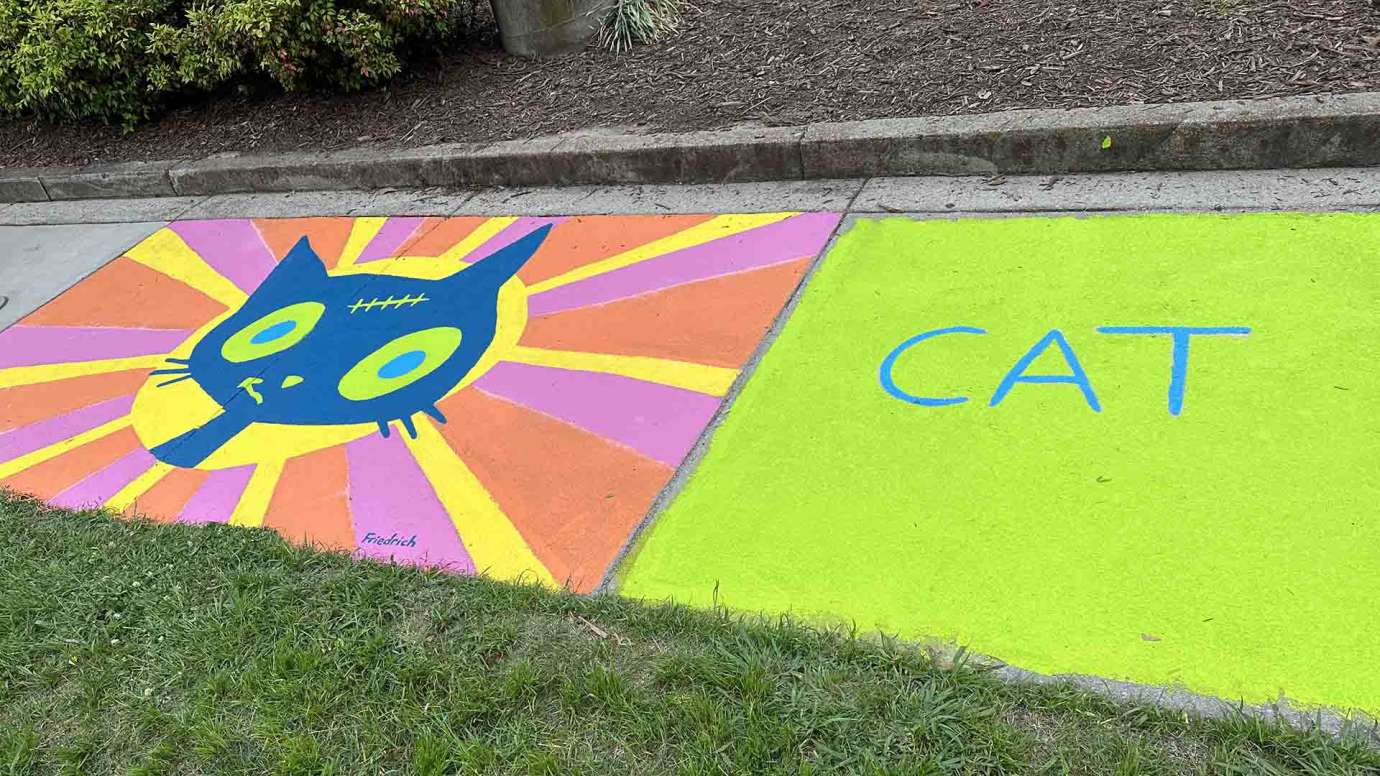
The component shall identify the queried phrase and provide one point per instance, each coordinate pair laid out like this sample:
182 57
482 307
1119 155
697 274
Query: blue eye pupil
402 364
276 331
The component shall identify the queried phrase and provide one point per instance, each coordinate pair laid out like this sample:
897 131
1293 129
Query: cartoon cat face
308 348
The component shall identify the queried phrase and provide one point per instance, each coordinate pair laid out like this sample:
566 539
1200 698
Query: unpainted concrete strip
756 197
1318 189
40 262
1311 131
1226 191
96 211
384 202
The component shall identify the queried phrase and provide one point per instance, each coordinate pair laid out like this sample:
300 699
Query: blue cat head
308 348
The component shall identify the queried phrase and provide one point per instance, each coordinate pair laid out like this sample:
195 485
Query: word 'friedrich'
391 541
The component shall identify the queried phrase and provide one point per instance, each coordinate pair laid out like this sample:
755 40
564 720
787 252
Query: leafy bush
120 60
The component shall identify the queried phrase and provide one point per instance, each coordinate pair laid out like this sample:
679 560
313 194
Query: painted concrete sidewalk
1132 445
503 395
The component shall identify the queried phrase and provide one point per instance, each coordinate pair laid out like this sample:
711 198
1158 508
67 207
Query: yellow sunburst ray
167 253
421 267
125 497
490 537
472 241
702 378
362 232
253 504
36 457
47 373
715 228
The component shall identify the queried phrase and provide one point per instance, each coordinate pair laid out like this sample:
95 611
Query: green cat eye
273 333
400 363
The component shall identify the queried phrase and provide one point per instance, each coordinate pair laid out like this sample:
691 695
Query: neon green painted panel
1233 549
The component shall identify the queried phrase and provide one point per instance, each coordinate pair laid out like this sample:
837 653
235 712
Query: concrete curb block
1323 131
21 186
1291 132
735 155
110 181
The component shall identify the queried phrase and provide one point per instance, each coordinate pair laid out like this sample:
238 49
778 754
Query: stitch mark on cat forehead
390 302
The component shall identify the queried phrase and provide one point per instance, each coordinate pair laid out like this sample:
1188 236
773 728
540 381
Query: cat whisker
383 429
434 413
170 372
170 359
174 380
408 427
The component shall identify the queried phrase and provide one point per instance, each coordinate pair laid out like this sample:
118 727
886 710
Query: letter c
889 363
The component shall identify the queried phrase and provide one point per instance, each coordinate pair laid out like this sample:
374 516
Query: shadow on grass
131 647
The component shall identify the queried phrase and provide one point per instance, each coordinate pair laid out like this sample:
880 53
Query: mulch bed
783 63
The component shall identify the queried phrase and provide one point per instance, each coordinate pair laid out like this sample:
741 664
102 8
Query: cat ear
496 269
300 265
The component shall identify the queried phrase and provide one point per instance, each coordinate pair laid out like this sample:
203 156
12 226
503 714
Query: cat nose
291 380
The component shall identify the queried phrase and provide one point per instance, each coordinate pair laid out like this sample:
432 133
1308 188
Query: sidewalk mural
1141 447
506 395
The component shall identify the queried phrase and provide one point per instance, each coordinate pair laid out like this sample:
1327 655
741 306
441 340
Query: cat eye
400 363
273 333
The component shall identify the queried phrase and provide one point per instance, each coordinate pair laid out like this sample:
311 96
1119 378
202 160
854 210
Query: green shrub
120 60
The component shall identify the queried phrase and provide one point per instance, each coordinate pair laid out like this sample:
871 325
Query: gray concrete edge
1330 130
1315 190
1356 726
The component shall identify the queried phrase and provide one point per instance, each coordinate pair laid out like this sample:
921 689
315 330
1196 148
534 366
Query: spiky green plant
631 22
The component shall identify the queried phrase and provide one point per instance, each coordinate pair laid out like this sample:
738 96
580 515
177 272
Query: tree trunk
535 28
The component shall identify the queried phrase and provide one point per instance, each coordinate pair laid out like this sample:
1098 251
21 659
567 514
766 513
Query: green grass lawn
137 648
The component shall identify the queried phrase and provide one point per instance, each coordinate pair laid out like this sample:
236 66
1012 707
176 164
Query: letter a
1018 375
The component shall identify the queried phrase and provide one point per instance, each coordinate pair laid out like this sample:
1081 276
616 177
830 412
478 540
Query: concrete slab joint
1310 131
104 181
21 186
